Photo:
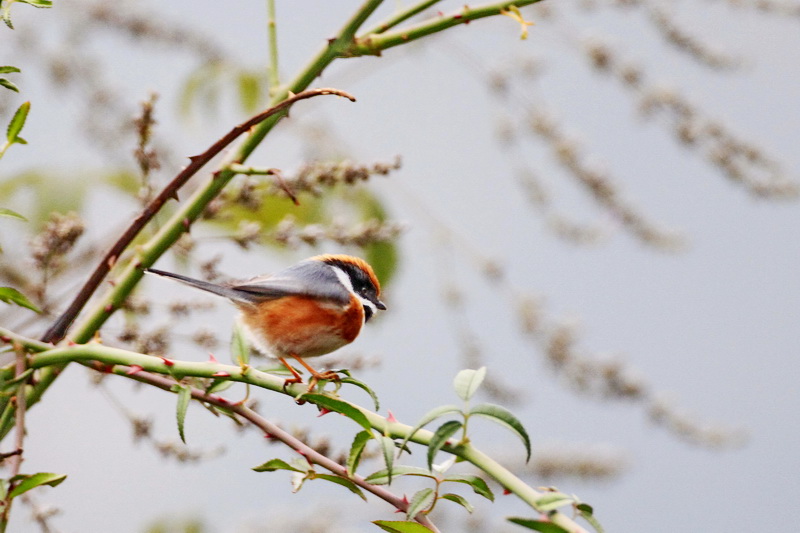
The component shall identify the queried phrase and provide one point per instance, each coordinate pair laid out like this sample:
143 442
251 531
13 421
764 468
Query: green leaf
339 406
538 525
551 501
381 477
219 385
240 346
467 381
505 418
587 513
276 464
460 500
8 68
10 295
395 526
16 124
429 417
184 395
359 442
420 501
352 487
38 3
5 212
35 480
439 439
478 485
8 85
365 387
387 447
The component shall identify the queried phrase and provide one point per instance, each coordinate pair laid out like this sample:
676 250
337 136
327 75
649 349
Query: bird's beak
380 305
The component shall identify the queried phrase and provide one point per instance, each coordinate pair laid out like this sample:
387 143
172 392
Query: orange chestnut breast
303 326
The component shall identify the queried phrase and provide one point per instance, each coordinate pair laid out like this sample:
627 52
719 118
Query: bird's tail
213 288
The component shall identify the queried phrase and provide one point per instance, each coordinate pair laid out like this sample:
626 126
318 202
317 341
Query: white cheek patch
343 278
348 283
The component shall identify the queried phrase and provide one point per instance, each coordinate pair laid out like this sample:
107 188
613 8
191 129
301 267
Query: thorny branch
59 328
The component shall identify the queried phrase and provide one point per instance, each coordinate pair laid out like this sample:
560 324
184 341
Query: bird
309 309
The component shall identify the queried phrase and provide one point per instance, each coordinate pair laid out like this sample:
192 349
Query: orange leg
296 378
329 374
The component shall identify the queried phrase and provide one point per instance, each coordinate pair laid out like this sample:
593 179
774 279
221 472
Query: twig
402 16
16 456
59 328
375 43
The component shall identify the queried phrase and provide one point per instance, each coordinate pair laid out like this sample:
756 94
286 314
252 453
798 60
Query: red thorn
167 361
459 16
112 261
440 13
221 375
323 411
135 369
405 499
107 369
506 492
467 22
112 283
108 308
71 342
391 417
268 436
5 339
211 358
301 452
186 223
223 401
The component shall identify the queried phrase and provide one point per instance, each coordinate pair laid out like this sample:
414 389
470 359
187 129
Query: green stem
374 44
272 32
402 16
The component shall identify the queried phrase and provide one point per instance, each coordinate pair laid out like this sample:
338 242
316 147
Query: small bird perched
309 309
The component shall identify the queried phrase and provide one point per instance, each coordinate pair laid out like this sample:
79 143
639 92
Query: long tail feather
213 288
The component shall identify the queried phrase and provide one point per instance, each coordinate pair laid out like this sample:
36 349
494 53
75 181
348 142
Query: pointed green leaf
460 500
478 485
359 442
6 212
16 124
184 395
395 526
429 417
467 381
339 406
38 3
439 439
352 487
240 346
538 525
551 501
8 68
381 477
27 483
387 447
505 418
420 502
8 85
13 296
276 464
365 387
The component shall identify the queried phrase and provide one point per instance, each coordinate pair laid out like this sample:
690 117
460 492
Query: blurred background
603 214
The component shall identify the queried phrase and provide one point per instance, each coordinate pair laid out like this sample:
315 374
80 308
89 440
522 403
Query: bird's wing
308 278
